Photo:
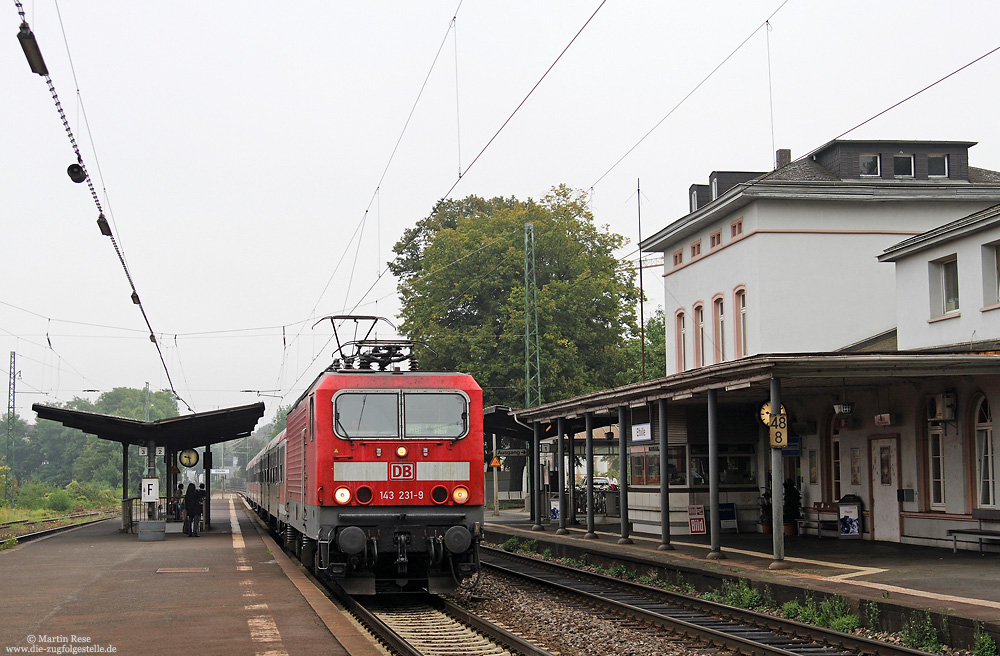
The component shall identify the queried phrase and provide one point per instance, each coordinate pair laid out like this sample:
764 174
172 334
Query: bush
510 545
919 633
984 644
59 500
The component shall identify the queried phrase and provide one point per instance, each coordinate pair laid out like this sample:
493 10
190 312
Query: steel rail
790 629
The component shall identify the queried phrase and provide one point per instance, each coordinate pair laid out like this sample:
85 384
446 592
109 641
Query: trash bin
849 517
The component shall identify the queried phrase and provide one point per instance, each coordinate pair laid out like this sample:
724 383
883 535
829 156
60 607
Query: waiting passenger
192 506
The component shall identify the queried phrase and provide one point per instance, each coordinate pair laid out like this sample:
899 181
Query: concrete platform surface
230 591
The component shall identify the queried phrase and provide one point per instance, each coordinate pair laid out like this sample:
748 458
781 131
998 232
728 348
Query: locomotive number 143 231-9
402 495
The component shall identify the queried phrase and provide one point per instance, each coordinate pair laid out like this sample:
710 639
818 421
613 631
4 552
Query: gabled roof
176 433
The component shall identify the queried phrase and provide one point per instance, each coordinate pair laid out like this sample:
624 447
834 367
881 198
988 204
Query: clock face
765 412
188 457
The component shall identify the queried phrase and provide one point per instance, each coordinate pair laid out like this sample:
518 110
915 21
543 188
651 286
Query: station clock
188 457
765 412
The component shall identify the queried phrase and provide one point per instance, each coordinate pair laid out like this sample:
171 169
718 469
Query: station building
864 281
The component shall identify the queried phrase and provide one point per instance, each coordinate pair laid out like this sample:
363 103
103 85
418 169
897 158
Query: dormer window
902 166
868 163
937 166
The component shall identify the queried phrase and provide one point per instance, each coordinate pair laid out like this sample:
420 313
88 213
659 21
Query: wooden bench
980 515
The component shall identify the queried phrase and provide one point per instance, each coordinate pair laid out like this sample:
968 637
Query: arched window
719 318
985 462
742 348
681 337
699 336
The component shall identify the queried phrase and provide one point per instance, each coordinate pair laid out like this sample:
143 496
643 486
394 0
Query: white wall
913 306
813 280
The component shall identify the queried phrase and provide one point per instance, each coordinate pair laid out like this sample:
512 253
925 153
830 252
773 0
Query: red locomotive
377 480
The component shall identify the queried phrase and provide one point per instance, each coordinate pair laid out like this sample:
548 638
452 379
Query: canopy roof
176 433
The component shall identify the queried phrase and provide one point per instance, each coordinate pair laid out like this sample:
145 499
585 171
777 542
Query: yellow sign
779 431
495 462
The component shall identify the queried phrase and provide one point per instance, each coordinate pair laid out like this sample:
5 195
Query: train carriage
377 481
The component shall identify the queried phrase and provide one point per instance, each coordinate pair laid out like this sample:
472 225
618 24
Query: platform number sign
779 431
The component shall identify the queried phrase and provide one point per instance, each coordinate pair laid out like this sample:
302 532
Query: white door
884 513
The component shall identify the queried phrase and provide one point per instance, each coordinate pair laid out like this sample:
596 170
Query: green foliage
511 544
791 609
530 546
547 554
740 593
461 273
919 633
872 613
656 352
60 501
984 644
9 543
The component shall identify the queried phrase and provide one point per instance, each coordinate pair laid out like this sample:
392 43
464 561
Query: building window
736 229
935 455
699 336
719 312
949 283
681 342
716 239
902 166
644 466
696 249
741 324
991 275
869 165
736 465
937 166
944 286
678 257
985 462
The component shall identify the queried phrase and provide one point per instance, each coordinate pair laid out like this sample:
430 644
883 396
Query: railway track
11 529
426 625
744 631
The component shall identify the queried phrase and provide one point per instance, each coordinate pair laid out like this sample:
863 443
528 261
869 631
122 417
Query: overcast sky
237 146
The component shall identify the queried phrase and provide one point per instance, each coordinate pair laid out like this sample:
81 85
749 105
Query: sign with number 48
779 431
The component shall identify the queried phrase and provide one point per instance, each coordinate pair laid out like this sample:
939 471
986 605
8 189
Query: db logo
401 471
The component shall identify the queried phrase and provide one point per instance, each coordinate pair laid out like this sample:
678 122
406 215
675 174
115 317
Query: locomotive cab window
431 414
380 415
366 414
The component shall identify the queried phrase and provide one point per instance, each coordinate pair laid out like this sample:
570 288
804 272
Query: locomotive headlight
342 496
460 494
401 451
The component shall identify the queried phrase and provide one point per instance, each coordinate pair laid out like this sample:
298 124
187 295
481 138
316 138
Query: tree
656 353
461 273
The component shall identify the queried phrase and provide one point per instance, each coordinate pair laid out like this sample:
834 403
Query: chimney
783 157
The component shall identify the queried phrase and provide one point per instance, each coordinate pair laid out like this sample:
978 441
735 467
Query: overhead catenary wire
102 221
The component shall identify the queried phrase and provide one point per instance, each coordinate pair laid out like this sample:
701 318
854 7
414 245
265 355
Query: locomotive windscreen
376 415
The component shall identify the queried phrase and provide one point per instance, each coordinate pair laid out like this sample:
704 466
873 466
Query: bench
980 515
821 520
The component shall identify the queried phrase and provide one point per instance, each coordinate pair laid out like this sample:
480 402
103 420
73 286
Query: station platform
963 587
229 591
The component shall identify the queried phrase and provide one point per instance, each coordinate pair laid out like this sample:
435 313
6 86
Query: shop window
644 466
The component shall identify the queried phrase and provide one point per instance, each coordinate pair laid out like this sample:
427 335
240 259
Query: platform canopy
176 433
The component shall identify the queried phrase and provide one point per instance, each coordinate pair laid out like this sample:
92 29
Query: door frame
895 438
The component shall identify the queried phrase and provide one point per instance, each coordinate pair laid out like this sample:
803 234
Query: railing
134 511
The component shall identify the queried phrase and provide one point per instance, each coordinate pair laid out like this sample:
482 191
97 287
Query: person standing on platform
192 506
179 502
